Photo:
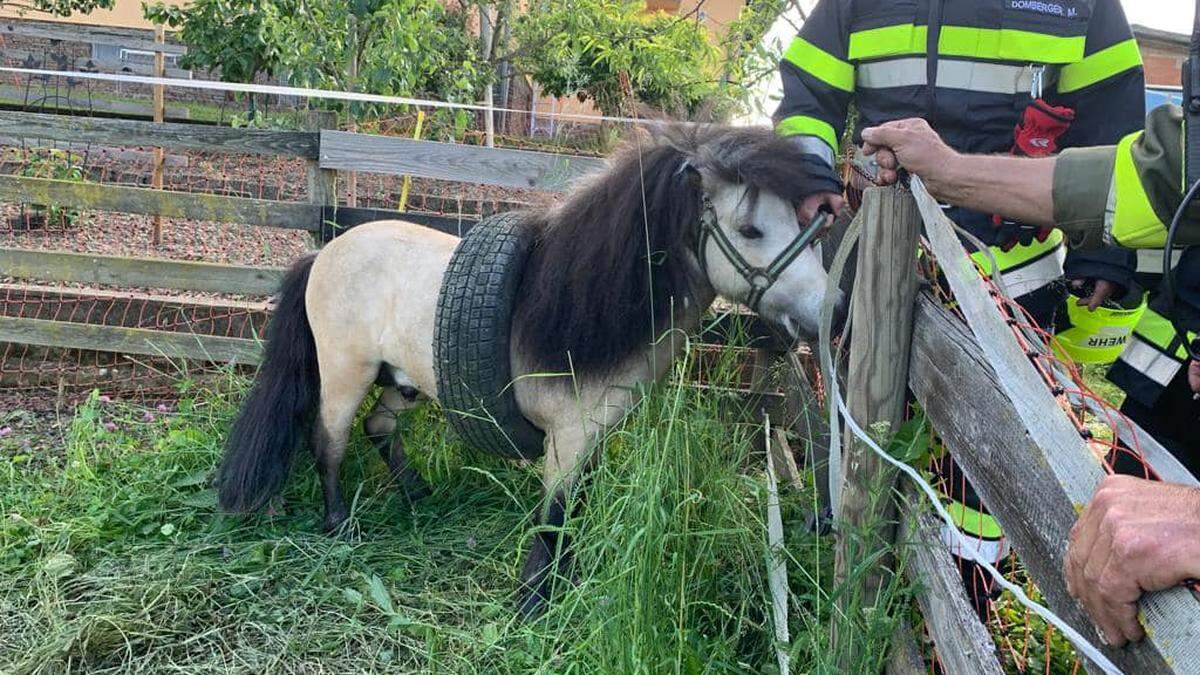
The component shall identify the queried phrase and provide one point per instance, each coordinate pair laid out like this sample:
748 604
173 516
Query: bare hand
908 143
1135 536
1194 376
813 203
1102 291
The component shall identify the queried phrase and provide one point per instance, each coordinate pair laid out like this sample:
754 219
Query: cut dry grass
113 557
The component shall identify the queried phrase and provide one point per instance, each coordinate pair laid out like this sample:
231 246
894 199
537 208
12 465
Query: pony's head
681 215
751 246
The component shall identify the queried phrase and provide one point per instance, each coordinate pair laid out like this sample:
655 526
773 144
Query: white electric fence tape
306 92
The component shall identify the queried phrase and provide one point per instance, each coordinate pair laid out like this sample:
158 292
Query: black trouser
1173 421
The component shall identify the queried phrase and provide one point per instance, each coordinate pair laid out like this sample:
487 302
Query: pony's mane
612 264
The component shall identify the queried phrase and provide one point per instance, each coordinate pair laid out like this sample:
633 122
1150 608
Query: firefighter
1135 536
987 75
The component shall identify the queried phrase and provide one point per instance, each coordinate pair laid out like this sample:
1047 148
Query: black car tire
471 341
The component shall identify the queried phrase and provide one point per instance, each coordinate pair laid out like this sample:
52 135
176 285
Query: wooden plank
160 92
880 334
776 560
347 151
52 97
131 38
108 270
963 642
189 205
1068 470
905 657
43 333
1005 460
174 135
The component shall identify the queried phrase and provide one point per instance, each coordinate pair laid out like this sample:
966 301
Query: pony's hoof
334 521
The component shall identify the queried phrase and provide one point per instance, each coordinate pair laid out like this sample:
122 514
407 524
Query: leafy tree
402 47
224 36
57 7
608 50
397 47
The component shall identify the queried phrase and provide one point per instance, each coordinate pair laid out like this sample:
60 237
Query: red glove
1036 135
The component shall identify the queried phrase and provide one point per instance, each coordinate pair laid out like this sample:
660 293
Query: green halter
760 278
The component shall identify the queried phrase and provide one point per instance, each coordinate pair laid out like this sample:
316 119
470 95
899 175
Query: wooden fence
1013 441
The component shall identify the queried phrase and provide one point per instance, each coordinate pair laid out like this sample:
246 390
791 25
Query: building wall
1163 63
124 14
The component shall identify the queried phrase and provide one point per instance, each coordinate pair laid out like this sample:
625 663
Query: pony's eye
750 232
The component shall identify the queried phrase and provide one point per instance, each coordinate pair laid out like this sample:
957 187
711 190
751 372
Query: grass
114 558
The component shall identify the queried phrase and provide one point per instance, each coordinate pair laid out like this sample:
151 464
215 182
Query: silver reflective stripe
1150 362
991 551
1110 211
989 78
1043 271
1150 260
894 73
814 146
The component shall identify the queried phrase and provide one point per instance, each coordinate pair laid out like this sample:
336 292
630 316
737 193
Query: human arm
818 83
1135 536
1140 177
1017 188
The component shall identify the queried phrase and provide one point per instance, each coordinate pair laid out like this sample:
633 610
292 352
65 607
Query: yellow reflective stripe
803 125
820 64
1018 255
1100 66
974 522
888 41
1158 331
1009 44
1134 222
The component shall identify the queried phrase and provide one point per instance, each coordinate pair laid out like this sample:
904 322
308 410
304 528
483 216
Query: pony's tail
278 413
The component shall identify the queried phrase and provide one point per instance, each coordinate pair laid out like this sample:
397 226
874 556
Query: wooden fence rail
110 270
171 135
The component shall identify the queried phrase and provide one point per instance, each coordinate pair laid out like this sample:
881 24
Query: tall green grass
113 557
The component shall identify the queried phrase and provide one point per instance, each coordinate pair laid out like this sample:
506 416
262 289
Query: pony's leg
549 554
380 427
342 390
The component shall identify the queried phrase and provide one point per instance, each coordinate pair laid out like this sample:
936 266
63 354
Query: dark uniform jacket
984 58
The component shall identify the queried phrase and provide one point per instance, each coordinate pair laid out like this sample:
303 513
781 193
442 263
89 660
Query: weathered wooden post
160 70
322 183
881 313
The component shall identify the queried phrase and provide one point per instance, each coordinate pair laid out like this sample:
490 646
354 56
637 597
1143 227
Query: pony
620 272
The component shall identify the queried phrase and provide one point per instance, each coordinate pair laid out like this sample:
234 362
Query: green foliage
55 164
393 47
59 7
589 48
401 47
224 36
